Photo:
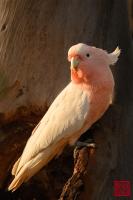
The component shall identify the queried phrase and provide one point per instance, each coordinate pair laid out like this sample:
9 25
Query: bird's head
90 63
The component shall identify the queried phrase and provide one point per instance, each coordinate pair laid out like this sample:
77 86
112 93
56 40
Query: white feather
65 116
113 57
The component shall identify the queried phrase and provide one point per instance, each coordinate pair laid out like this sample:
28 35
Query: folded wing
65 117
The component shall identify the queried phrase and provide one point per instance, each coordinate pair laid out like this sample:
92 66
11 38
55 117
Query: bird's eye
87 54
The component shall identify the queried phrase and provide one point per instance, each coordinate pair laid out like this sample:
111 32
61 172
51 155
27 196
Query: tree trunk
34 39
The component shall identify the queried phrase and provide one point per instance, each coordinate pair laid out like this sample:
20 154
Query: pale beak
74 62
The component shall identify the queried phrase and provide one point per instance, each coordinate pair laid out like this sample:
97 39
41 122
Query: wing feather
65 116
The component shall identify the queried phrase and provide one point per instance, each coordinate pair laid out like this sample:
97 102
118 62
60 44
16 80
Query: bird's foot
87 143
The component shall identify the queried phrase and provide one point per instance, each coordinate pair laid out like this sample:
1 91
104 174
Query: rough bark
130 11
34 39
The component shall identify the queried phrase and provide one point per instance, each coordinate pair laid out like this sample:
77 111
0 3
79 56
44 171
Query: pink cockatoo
82 102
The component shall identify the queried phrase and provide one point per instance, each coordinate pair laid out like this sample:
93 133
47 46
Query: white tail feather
29 169
15 166
19 179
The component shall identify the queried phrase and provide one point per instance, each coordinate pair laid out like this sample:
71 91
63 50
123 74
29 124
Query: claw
87 143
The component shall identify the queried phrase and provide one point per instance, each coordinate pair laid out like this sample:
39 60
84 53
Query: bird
81 103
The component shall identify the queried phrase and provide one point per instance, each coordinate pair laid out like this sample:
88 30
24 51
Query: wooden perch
75 184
